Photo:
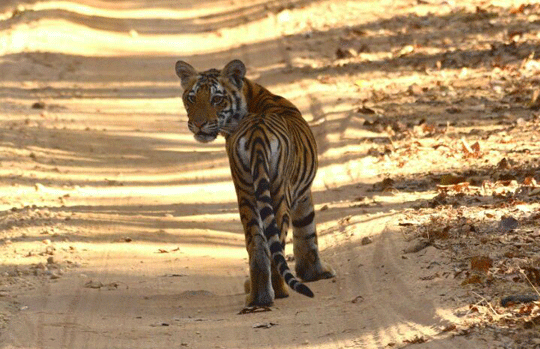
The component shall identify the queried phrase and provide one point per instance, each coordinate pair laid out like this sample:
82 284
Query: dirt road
118 230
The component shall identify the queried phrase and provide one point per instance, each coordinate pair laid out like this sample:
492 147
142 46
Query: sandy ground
118 230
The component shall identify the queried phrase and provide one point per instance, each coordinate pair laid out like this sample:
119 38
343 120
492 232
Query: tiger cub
273 159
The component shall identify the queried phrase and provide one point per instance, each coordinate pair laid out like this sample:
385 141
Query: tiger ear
235 71
185 72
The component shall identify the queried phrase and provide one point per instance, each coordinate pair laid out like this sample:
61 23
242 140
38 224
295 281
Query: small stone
415 90
345 53
50 260
38 105
508 223
41 266
50 250
367 240
416 246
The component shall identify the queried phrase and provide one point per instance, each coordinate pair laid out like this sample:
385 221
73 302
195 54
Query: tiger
273 160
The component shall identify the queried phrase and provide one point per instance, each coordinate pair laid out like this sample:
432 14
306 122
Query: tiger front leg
309 266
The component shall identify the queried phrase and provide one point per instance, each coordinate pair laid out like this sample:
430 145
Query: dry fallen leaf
517 10
533 275
458 188
449 179
530 181
503 164
535 101
466 147
481 263
474 279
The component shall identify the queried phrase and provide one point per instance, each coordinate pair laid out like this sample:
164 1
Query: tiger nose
198 123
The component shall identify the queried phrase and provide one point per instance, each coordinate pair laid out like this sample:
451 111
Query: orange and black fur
273 159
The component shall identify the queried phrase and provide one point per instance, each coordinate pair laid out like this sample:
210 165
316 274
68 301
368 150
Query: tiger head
213 99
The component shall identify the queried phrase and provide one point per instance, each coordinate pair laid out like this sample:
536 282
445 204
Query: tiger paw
319 271
259 298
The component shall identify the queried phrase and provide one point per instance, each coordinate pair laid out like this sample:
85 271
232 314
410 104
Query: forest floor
118 230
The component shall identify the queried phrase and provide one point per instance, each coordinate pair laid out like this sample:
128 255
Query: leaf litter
477 153
491 233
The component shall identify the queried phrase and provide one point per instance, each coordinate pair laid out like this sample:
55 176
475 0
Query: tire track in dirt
24 329
33 332
388 307
397 302
71 321
40 326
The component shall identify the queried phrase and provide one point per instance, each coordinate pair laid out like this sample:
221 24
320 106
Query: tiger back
273 159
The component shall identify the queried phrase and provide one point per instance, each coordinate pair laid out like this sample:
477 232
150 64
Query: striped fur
273 159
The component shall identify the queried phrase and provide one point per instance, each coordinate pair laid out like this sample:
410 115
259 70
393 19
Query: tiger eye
217 100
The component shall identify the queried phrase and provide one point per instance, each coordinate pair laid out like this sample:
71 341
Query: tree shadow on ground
157 80
161 26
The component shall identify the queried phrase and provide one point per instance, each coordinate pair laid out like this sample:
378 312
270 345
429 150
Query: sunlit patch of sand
110 11
221 192
55 35
132 253
123 10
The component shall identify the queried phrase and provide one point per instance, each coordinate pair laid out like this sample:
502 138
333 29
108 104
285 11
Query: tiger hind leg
309 266
259 285
281 290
